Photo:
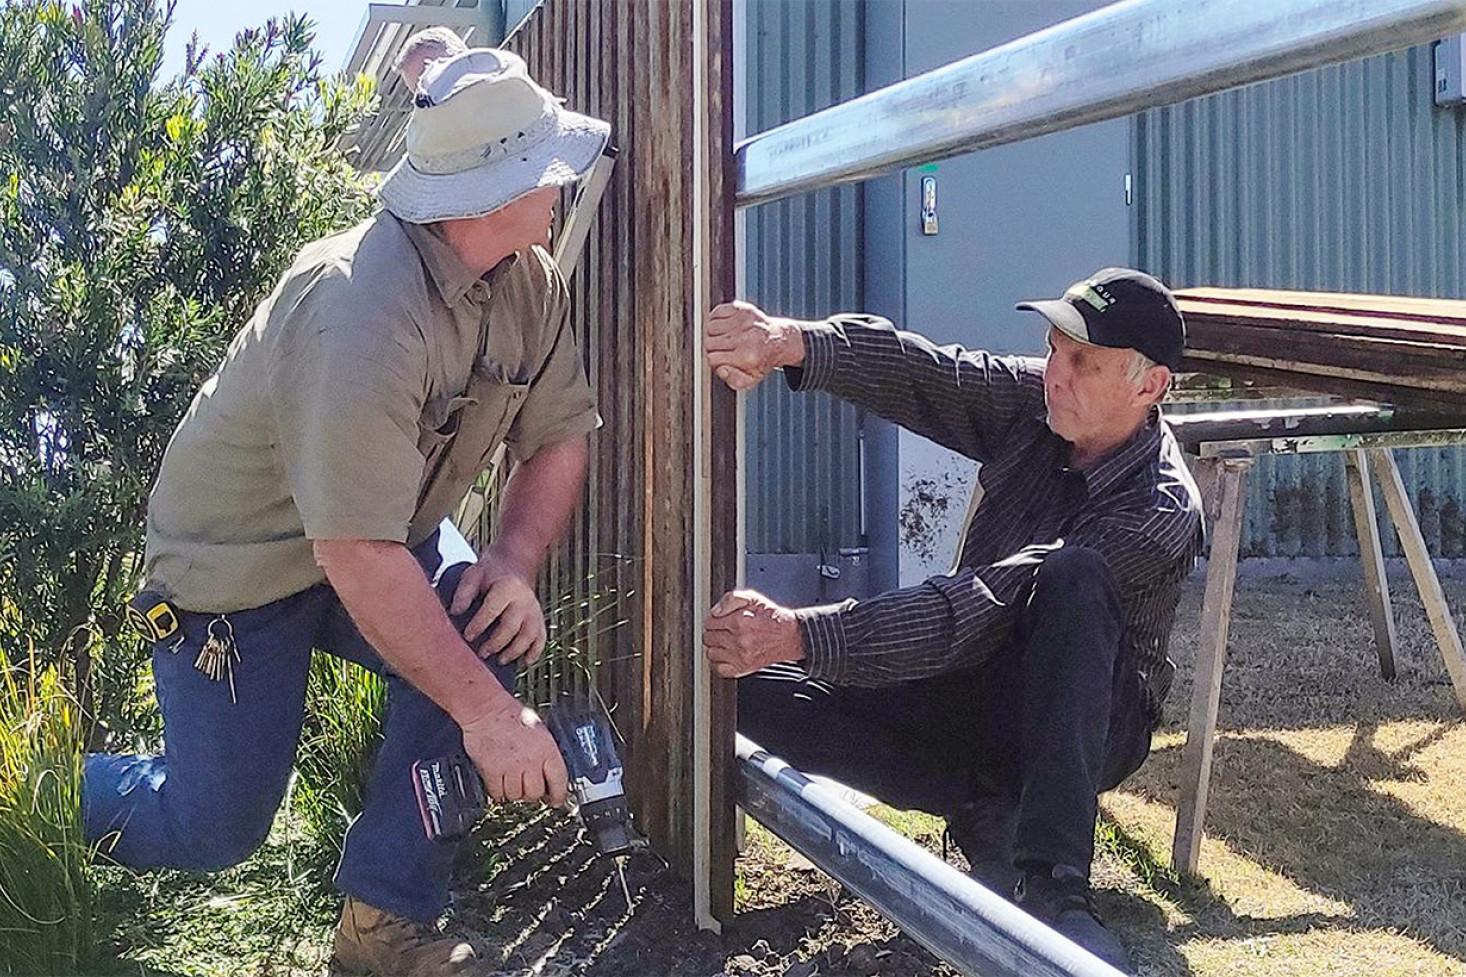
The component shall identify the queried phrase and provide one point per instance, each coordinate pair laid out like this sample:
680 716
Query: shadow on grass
1327 829
271 914
1153 943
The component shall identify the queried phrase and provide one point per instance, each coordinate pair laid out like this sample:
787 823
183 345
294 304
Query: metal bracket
929 205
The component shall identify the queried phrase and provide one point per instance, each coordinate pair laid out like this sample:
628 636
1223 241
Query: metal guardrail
970 927
1130 56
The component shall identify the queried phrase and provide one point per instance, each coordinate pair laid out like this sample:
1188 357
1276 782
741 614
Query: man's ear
1153 386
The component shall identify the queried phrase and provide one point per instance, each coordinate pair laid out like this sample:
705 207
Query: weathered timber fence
657 539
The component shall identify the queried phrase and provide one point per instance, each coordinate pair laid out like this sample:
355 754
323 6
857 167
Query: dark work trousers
1052 720
208 801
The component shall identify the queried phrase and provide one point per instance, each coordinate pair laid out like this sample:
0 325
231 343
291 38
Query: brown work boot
373 941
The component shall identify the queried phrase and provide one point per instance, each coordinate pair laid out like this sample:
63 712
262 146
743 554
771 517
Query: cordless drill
451 795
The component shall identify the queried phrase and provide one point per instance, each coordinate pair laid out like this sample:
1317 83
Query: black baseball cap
1121 308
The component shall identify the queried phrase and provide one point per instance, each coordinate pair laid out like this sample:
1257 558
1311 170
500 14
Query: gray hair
1139 364
429 44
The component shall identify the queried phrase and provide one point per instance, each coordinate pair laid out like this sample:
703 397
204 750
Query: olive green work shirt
362 400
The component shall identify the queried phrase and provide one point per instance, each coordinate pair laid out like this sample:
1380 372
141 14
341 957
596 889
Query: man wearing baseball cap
301 505
1008 693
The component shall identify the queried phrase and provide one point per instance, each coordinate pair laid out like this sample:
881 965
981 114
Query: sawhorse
1221 468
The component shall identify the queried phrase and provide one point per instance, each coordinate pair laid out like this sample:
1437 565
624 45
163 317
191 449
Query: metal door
1011 223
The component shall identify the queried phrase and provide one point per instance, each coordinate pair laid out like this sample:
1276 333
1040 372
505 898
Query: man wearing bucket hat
302 502
1007 694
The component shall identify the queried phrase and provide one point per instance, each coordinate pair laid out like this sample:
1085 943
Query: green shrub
140 223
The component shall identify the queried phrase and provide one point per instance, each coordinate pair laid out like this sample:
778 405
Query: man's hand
516 755
393 604
746 631
745 345
510 606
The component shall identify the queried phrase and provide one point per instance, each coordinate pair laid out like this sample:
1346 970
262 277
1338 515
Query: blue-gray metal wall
804 260
1340 179
515 11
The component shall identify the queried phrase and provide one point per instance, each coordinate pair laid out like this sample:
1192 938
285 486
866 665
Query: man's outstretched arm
946 623
964 400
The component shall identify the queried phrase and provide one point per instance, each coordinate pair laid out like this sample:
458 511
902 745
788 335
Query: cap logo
1092 293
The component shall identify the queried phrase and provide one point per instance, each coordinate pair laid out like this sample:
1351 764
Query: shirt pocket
467 441
498 394
441 418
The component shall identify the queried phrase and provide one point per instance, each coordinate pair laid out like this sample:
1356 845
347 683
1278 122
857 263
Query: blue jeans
208 801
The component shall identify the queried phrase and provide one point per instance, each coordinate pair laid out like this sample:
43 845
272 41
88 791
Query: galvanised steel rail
1122 59
971 928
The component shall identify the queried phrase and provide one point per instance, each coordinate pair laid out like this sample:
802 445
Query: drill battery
450 796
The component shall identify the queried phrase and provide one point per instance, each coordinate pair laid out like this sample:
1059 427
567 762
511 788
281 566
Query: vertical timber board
664 210
672 38
718 444
591 302
726 456
652 753
632 463
554 77
618 523
577 564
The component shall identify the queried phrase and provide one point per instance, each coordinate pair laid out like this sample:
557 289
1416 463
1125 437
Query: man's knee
782 709
1074 612
218 832
220 848
763 704
1073 574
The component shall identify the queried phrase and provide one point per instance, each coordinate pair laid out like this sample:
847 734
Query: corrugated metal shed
1340 179
803 454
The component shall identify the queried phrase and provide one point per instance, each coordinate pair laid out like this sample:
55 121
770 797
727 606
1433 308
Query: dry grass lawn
1336 833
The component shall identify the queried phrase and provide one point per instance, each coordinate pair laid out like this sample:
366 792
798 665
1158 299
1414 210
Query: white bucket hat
481 136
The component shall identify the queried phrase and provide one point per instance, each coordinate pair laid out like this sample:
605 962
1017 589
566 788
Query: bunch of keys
156 619
217 657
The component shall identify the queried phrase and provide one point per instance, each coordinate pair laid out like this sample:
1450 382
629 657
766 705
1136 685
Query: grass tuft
1153 869
345 709
47 886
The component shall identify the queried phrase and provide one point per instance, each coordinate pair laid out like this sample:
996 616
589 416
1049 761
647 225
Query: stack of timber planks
1405 351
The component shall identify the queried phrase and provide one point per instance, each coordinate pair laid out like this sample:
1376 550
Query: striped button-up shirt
1138 508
